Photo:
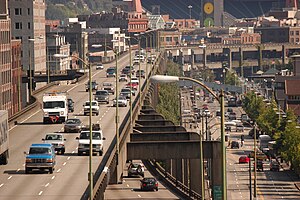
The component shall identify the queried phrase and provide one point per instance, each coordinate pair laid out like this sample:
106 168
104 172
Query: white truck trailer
55 107
3 137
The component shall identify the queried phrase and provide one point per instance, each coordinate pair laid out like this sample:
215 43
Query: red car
133 85
244 159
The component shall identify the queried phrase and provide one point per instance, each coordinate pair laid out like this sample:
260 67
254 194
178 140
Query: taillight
144 184
49 160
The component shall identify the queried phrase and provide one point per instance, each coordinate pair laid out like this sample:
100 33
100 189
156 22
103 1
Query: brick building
16 72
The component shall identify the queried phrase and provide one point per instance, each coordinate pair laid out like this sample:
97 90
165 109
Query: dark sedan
149 184
73 125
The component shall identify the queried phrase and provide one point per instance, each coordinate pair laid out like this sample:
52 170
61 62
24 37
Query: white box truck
55 107
3 137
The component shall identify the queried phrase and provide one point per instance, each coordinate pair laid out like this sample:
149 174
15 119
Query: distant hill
61 9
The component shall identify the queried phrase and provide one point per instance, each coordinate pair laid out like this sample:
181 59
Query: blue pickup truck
40 157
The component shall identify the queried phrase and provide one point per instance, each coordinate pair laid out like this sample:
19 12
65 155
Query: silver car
73 125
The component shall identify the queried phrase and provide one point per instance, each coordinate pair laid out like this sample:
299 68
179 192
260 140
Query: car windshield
54 104
53 137
86 135
73 121
94 103
149 180
107 84
111 70
39 150
102 93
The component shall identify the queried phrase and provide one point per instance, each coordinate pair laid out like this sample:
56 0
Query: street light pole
117 107
140 98
91 132
130 78
190 8
255 160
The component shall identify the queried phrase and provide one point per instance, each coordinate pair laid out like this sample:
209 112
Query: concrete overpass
233 55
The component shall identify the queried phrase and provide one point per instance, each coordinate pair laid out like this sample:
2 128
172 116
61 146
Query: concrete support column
283 54
216 172
204 58
229 57
186 171
241 61
259 51
177 169
192 58
195 179
168 166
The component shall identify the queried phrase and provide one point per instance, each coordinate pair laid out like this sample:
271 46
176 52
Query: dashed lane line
53 177
40 193
9 177
1 185
47 184
58 170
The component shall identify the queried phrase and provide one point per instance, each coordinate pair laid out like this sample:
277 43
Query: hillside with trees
61 9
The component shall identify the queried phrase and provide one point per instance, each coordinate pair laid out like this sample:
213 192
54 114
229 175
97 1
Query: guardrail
175 183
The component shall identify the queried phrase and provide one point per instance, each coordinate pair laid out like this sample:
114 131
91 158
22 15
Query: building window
292 33
28 11
18 25
18 11
297 32
297 39
28 25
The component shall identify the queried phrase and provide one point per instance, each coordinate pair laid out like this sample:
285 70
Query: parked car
274 166
244 159
70 105
73 125
149 184
136 169
57 140
99 66
235 145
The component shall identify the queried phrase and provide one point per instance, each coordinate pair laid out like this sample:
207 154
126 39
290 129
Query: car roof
41 145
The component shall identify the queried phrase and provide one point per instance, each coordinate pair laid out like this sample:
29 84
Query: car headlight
46 114
62 113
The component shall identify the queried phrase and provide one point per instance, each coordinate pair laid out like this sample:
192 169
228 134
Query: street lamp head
164 79
60 55
190 6
96 45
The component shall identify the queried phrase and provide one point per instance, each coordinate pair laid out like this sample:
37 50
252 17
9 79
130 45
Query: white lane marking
139 196
1 185
47 185
23 165
41 192
53 177
73 151
24 120
75 117
58 170
9 177
18 170
127 185
97 122
66 163
76 148
70 157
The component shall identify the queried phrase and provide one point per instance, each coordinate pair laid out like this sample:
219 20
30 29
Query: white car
99 66
123 77
122 101
95 108
135 80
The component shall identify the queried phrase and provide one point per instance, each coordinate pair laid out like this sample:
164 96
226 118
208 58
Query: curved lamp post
169 79
130 78
90 174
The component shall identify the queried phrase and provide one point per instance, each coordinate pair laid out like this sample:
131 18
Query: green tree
231 78
252 104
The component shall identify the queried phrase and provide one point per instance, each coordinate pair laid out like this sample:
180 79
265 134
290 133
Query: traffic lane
130 189
237 175
276 185
31 138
